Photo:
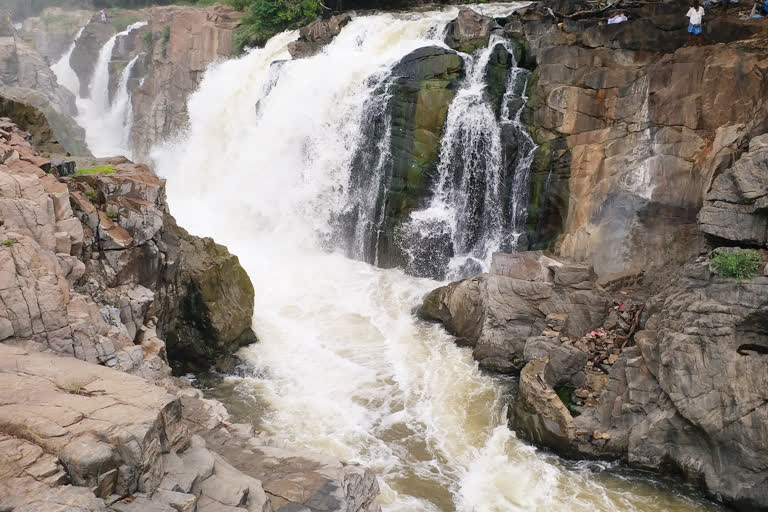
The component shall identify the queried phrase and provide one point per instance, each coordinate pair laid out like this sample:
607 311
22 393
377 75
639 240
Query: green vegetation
10 242
740 264
99 169
164 39
55 19
93 196
565 393
112 212
149 41
265 18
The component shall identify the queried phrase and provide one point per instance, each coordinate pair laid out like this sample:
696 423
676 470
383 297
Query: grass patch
739 264
99 169
10 242
73 388
164 38
565 393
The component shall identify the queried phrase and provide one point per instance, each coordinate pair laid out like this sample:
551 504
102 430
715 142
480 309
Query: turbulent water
343 366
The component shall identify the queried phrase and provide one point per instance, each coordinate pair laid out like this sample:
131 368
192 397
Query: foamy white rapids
343 366
107 124
65 75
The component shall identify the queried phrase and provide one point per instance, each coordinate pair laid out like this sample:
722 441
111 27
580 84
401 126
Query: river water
343 366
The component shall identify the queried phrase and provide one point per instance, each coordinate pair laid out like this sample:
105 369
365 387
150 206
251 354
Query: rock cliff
176 47
27 81
93 273
53 31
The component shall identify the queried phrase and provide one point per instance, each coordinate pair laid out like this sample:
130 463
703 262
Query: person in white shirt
695 15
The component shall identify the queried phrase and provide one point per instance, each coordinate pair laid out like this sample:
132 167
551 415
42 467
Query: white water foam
65 75
107 124
342 365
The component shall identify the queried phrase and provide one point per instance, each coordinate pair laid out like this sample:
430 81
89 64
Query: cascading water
479 199
107 124
65 75
342 366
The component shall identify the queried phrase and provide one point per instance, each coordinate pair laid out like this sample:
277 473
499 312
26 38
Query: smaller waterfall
65 75
479 204
108 125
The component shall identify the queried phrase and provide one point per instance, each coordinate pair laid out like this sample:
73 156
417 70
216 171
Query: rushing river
343 366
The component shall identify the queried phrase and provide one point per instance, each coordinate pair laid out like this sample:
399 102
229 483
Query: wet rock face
411 108
313 37
736 207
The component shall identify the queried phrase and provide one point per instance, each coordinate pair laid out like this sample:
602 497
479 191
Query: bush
738 264
265 18
10 242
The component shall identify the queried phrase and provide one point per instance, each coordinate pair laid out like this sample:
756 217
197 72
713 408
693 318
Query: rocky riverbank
95 278
630 343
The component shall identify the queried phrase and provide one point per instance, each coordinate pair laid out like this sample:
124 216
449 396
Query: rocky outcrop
470 31
26 80
631 137
52 32
185 41
496 313
313 37
91 266
736 207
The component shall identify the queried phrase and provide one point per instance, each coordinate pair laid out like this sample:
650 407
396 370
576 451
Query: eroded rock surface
736 207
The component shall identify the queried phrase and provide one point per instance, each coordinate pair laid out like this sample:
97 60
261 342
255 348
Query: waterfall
65 75
479 200
343 367
107 124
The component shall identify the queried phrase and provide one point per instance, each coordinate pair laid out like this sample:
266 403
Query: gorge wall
630 343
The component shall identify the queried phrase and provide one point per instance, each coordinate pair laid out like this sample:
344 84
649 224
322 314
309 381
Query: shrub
740 264
265 18
92 195
10 242
99 169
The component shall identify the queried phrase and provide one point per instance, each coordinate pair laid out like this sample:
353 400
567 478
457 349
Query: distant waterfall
65 75
479 201
107 124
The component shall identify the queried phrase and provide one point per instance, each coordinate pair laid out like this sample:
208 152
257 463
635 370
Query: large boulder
736 206
496 313
313 37
469 31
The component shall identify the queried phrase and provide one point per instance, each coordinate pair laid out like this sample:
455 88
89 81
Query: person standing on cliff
695 15
103 15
